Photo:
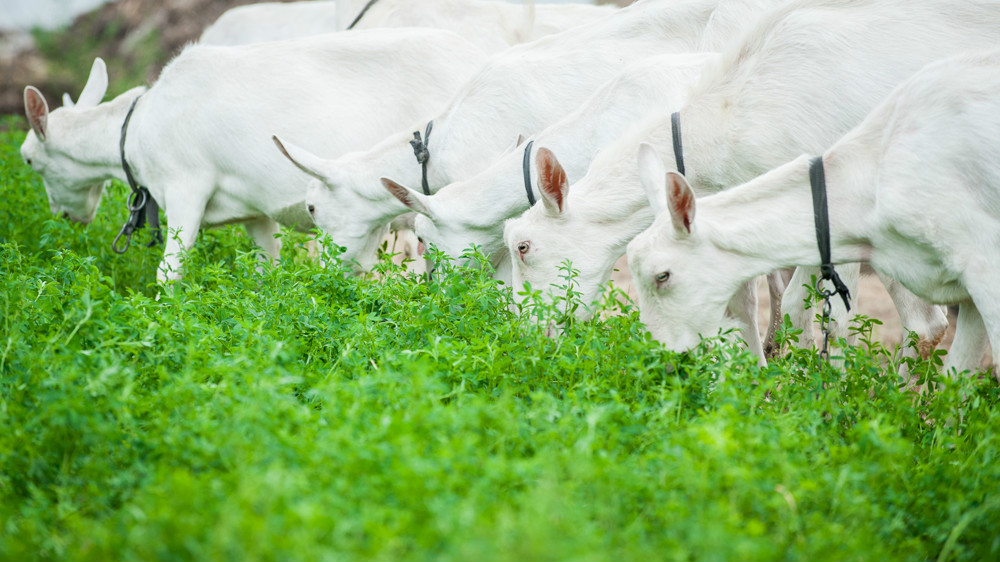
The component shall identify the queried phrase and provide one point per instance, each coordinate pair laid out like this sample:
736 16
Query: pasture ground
295 412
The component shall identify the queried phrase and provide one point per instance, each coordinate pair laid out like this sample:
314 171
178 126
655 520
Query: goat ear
652 177
513 146
680 202
67 100
309 163
97 85
37 110
552 181
415 201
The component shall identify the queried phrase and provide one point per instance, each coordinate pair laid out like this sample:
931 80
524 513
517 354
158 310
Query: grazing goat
519 92
914 189
803 76
200 138
472 211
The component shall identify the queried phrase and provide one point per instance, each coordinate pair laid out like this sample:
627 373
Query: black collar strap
526 167
821 214
362 13
675 129
423 154
142 207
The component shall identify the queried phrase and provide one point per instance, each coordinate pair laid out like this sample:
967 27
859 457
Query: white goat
200 138
493 25
806 74
520 91
271 21
472 211
914 189
492 22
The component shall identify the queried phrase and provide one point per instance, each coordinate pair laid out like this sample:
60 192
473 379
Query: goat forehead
641 244
638 261
513 233
322 194
316 188
649 251
31 146
343 208
346 208
533 217
543 227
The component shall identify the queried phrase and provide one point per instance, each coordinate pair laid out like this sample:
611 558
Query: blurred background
51 44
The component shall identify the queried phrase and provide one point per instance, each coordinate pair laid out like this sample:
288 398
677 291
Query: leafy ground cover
293 412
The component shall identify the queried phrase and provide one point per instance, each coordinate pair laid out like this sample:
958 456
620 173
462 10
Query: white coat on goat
200 138
914 189
472 211
802 77
271 21
519 92
493 25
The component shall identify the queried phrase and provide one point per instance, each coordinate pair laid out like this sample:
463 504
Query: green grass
294 412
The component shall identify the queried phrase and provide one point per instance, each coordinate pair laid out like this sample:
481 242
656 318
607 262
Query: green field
293 412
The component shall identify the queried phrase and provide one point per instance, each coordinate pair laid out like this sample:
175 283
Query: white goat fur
200 138
493 25
806 74
914 189
519 92
472 211
271 21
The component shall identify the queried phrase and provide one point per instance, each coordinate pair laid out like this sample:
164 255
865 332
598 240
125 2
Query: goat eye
312 209
662 277
523 248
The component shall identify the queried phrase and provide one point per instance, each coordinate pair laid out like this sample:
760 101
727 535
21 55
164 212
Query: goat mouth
65 215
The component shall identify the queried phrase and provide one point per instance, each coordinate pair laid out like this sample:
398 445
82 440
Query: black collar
129 175
362 13
142 207
821 214
675 129
422 153
526 168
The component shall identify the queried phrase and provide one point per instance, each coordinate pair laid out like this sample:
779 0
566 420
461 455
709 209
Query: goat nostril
65 215
312 209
